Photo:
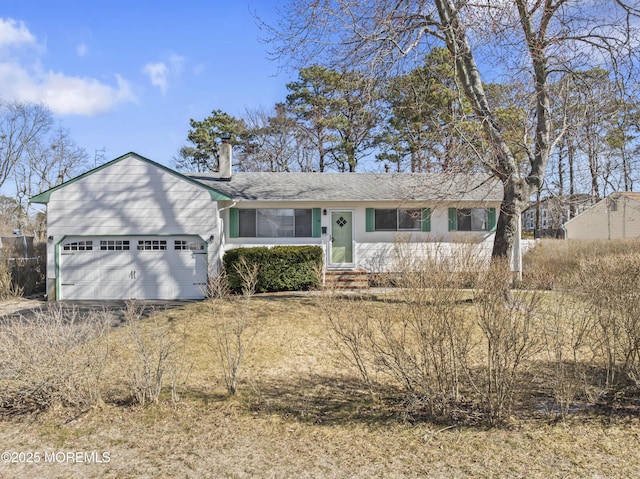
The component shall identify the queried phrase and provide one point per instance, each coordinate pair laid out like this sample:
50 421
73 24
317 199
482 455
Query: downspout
36 209
42 212
221 223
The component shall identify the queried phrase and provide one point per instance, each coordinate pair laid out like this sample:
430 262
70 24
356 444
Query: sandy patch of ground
15 305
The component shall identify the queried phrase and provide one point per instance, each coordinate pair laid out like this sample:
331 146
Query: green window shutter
453 219
426 219
316 222
492 219
370 220
234 223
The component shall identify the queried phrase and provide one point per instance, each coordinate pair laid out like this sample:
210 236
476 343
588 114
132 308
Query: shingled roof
355 186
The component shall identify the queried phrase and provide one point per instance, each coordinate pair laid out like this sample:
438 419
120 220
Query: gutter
221 223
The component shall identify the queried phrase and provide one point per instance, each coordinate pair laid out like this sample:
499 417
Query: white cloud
23 78
161 72
64 95
158 75
14 33
84 96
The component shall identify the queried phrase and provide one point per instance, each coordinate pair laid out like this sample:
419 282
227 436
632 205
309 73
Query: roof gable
635 196
45 195
605 202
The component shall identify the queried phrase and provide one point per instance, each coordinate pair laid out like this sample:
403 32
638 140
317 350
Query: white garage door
133 267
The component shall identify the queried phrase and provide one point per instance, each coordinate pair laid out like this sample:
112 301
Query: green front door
341 238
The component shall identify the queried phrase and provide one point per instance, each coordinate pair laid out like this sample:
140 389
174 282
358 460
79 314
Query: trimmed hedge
281 268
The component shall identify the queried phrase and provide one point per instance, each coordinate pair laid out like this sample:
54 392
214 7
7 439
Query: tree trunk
507 226
572 180
560 169
516 190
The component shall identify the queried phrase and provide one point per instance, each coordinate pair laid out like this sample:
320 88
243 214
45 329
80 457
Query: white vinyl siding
601 221
130 197
124 201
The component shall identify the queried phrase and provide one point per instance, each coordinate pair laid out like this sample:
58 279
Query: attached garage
132 267
131 229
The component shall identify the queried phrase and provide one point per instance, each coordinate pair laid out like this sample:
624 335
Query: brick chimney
225 159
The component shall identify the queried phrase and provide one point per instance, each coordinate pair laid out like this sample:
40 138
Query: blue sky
128 75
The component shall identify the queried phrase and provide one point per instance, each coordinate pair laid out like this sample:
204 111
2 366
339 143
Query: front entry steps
346 279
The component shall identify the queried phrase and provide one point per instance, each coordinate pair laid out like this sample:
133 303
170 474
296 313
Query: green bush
281 268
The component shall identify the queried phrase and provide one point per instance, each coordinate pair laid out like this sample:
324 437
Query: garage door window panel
152 245
114 245
183 245
78 246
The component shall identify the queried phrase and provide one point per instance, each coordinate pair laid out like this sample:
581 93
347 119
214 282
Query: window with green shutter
426 219
492 219
233 223
275 223
472 219
397 219
453 219
316 222
370 220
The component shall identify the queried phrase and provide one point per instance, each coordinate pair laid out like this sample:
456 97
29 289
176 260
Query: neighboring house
554 212
133 228
614 217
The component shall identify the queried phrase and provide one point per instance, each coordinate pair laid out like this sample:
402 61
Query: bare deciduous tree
21 125
272 143
48 162
535 41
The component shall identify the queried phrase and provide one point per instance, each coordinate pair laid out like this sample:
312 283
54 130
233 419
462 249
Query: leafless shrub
57 356
551 264
508 321
28 275
469 259
218 285
567 327
432 296
611 285
350 332
8 287
232 334
155 352
419 338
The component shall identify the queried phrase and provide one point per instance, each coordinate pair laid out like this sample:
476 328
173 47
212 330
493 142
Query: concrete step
346 279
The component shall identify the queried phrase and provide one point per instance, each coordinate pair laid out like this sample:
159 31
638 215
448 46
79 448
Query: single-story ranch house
133 228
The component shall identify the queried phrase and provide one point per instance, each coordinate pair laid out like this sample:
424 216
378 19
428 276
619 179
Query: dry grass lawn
299 413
